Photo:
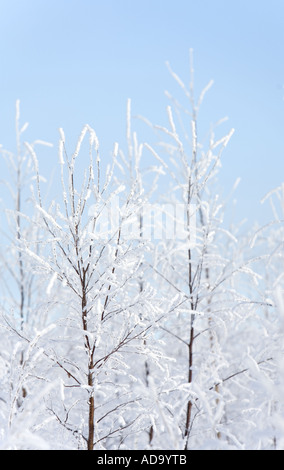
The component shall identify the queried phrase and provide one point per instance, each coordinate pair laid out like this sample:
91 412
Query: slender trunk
190 278
91 422
190 345
147 373
190 363
90 352
21 269
147 369
212 348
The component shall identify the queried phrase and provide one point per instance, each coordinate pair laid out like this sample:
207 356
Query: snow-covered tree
201 271
89 246
23 306
132 315
267 242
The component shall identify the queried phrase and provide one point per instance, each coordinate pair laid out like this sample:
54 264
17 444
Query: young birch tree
92 249
195 268
268 241
21 294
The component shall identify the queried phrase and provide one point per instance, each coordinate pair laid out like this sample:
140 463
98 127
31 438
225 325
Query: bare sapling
93 253
186 264
20 289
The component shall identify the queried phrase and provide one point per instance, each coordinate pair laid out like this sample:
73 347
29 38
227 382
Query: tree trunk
190 362
90 352
91 423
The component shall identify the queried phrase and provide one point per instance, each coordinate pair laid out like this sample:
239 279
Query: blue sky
72 62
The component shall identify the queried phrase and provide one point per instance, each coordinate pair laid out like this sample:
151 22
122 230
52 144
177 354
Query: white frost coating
51 284
93 137
37 258
232 131
61 146
178 80
171 120
25 126
237 182
115 150
33 155
43 142
17 111
204 91
60 152
224 140
48 217
128 128
79 143
62 135
253 366
88 195
194 136
61 389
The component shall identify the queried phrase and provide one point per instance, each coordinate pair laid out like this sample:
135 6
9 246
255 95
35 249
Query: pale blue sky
72 62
